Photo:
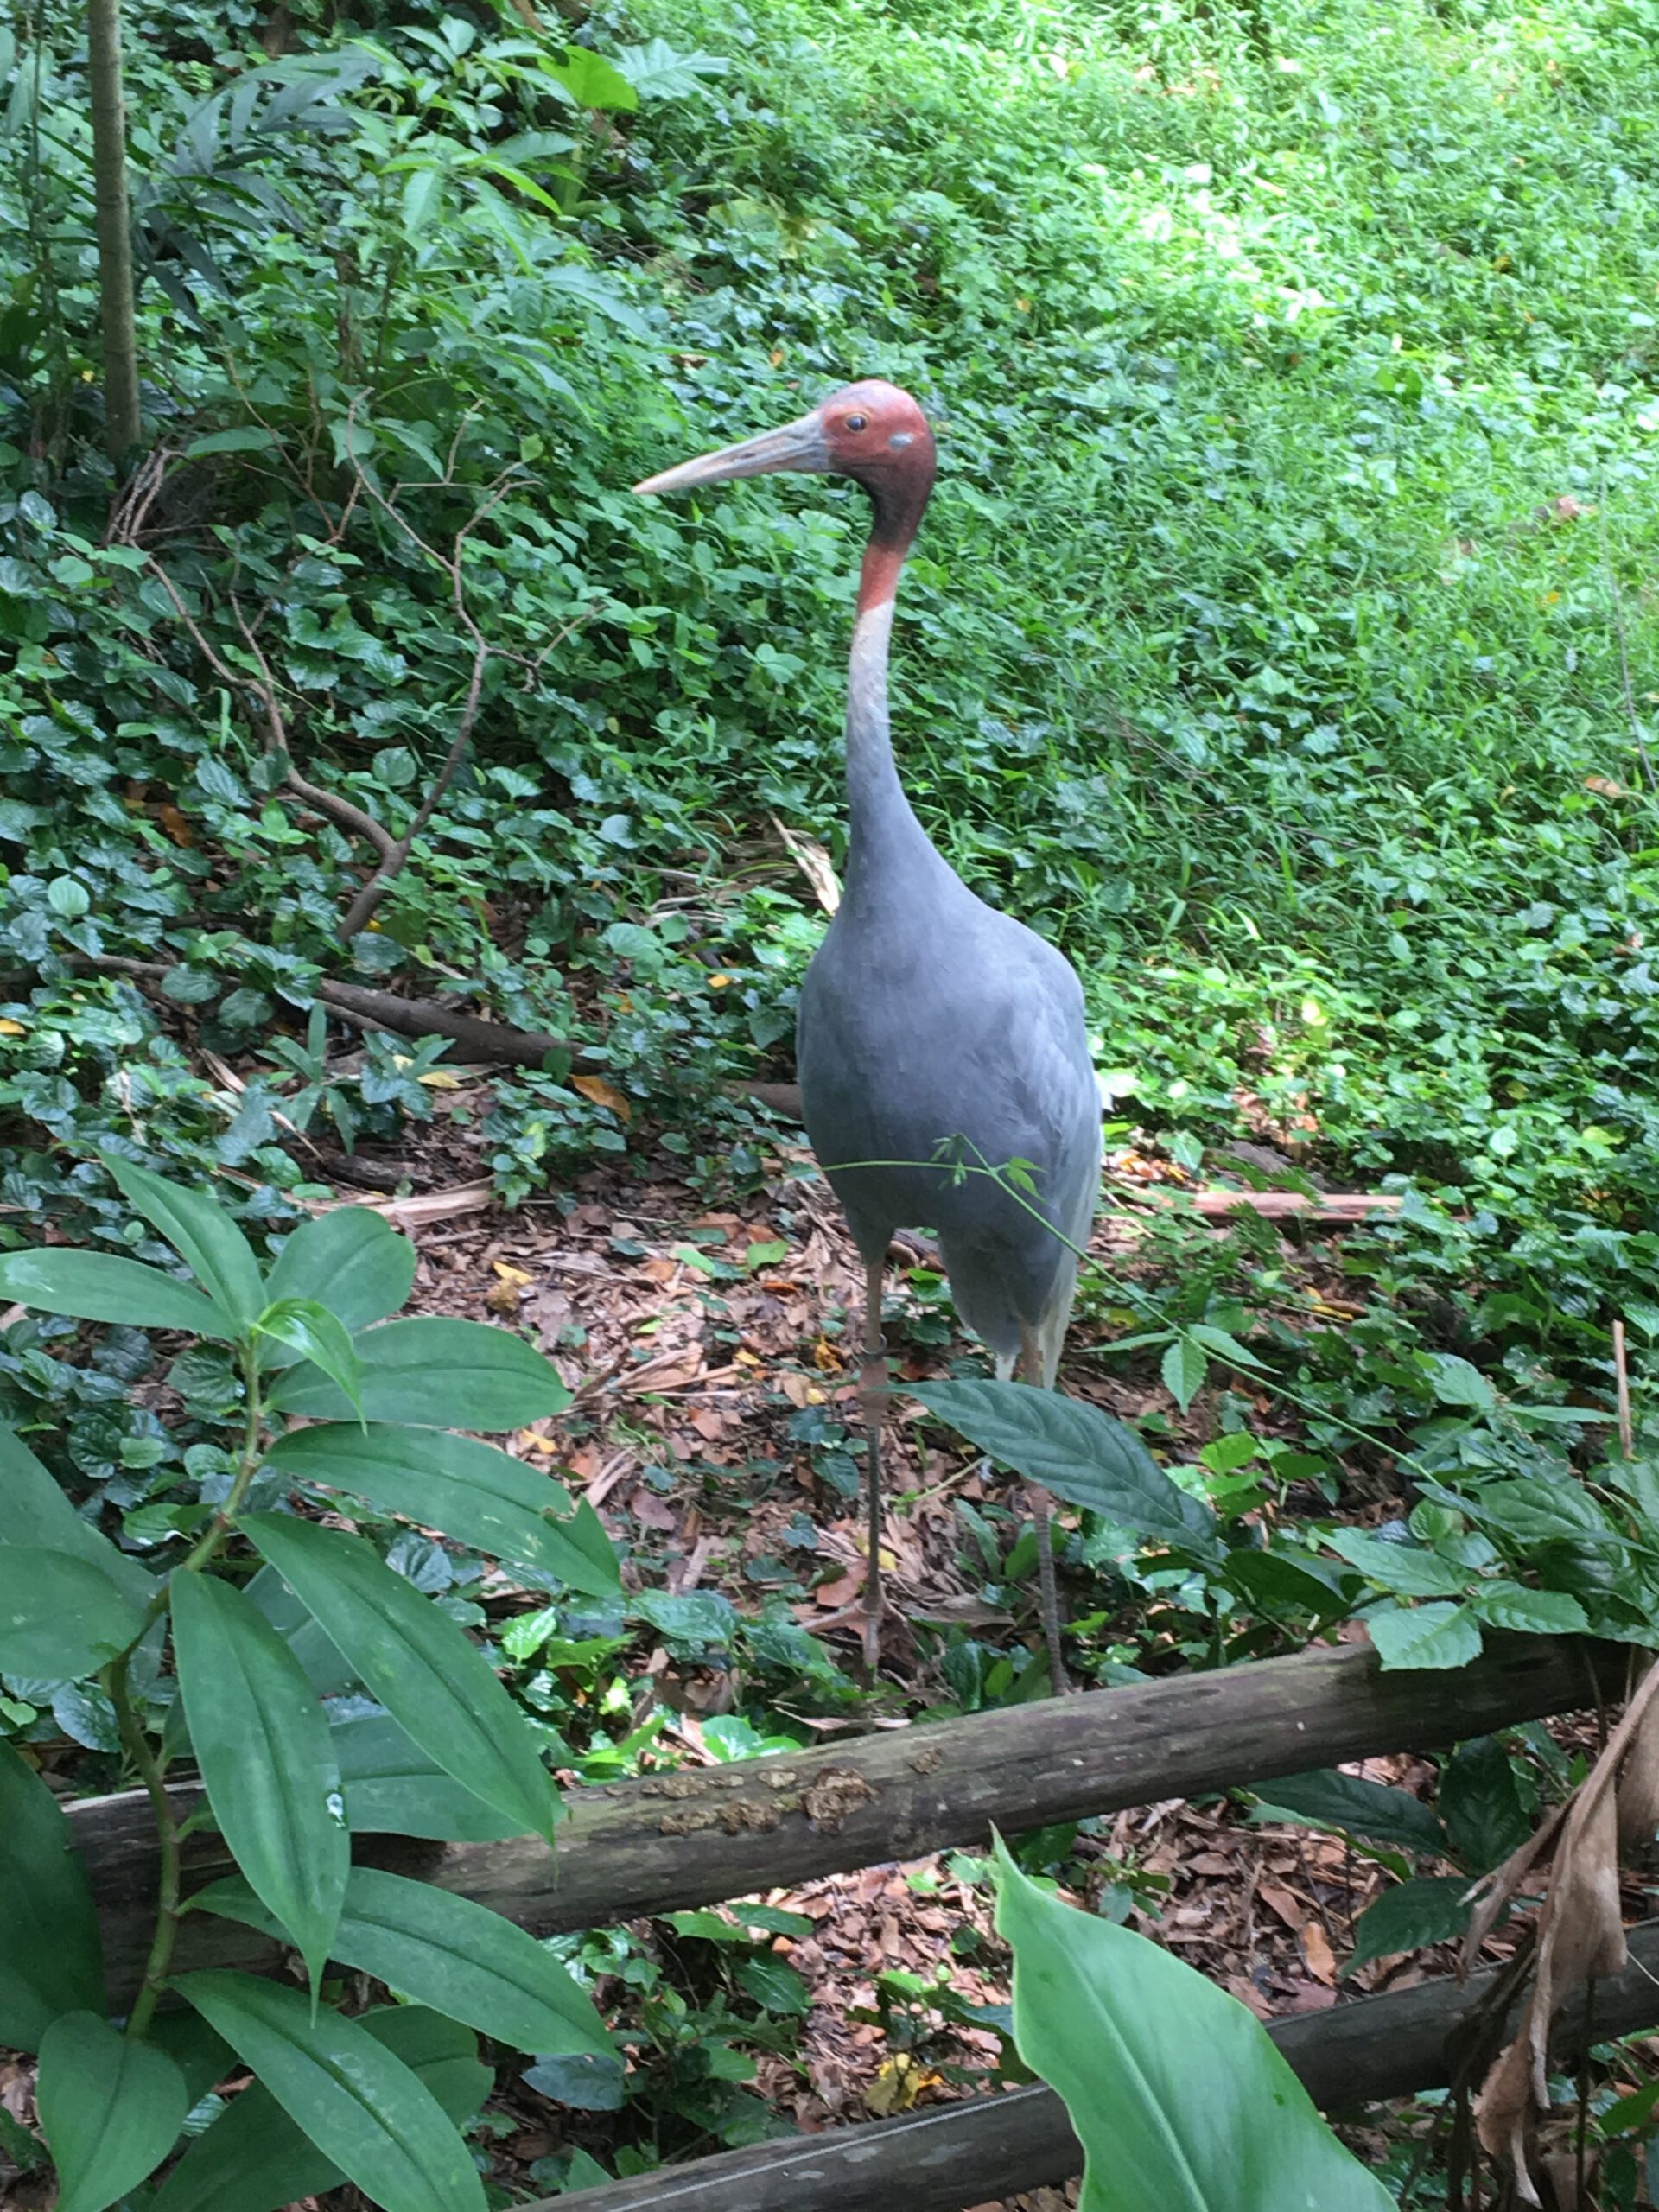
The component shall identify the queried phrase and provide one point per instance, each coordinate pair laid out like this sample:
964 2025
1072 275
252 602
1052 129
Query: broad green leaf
362 2106
1487 1812
416 1661
251 437
1457 1383
352 1261
1282 1579
1223 1346
35 1511
1425 1635
1355 1806
1529 1612
1403 1568
460 1958
478 1493
657 72
202 1234
201 2056
1177 2095
1183 1369
393 1787
1080 1453
437 1374
100 1287
307 1327
1534 1508
1429 1911
591 81
61 1617
253 2158
267 1758
110 2109
51 1955
320 1661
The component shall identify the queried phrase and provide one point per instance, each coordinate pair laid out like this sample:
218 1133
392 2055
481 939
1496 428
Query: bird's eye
856 422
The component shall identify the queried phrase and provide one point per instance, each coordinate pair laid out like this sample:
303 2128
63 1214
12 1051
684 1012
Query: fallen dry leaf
600 1093
1316 1950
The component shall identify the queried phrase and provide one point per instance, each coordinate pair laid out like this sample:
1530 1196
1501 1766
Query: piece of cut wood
984 2148
678 1839
1273 1205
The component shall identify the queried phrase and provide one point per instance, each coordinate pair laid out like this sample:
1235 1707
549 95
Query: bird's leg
872 1389
1031 1359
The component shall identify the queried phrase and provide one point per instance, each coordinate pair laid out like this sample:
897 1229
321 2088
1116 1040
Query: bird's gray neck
883 833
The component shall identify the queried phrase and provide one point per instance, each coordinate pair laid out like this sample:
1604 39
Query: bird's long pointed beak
800 445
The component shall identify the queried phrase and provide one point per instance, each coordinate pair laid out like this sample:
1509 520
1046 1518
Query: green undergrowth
1279 640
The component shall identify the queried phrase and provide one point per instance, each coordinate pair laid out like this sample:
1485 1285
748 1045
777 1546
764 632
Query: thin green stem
150 1767
153 1772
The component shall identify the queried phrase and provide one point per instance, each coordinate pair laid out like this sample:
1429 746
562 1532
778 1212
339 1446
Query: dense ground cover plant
319 1688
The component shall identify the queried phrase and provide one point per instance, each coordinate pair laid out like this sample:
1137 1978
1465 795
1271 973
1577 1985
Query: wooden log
691 1838
984 2148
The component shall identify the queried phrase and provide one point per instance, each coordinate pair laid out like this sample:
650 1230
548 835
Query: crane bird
934 1033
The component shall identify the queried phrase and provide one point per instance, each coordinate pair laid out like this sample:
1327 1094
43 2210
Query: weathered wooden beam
984 2148
691 1838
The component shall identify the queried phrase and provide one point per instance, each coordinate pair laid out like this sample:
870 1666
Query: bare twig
1621 1383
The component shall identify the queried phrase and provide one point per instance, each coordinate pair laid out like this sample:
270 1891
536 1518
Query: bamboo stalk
123 424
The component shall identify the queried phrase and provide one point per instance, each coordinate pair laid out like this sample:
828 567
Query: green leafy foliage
110 2108
366 2110
52 1956
60 1615
439 1373
1175 2091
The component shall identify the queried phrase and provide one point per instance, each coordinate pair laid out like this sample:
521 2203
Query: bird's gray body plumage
928 1018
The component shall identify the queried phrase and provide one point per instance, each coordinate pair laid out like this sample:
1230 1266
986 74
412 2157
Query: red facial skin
891 456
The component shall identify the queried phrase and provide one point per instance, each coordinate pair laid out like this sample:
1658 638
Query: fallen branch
1274 1205
686 1838
984 2148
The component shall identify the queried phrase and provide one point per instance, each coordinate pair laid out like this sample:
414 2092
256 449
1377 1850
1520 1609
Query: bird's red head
871 431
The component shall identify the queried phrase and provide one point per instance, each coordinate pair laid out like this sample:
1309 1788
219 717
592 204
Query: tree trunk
122 422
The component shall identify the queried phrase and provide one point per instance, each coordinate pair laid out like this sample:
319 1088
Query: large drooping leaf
1355 1806
1407 1569
437 1374
267 1758
110 2109
61 1616
445 1951
473 1491
1430 1910
1434 1635
416 1661
1176 2092
202 1234
590 80
352 1261
34 1510
51 1955
1080 1453
253 2158
101 1287
362 2106
393 1787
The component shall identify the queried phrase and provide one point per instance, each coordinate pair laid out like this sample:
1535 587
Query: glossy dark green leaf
267 1758
1487 1813
110 2109
471 1492
362 2106
306 1327
1429 1910
34 1510
436 1373
1353 1805
51 1955
1425 1635
393 1787
352 1261
416 1661
202 1234
253 2158
324 1667
61 1617
445 1951
1080 1453
1177 2095
101 1287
